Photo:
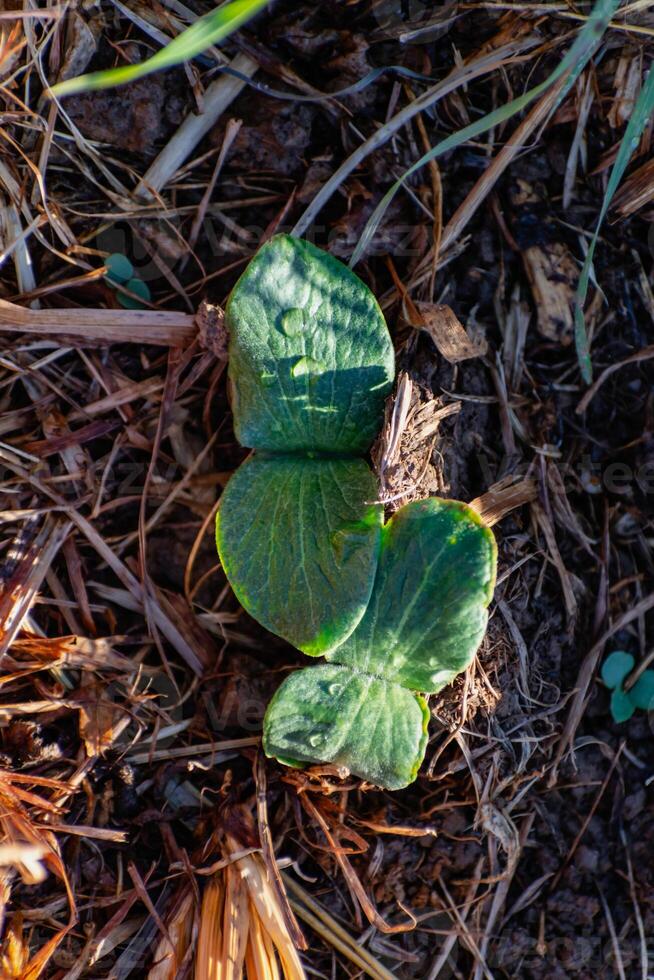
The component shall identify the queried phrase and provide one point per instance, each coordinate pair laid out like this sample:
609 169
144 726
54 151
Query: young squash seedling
120 271
615 670
398 610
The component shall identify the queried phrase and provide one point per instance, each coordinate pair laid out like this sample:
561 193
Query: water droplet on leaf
315 740
335 688
292 322
306 365
267 379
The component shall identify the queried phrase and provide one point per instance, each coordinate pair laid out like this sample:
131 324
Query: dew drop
292 322
267 380
315 740
306 365
334 688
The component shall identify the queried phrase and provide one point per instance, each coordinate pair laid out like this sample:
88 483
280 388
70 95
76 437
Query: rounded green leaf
428 611
299 540
139 288
119 267
374 729
642 693
622 707
310 358
616 667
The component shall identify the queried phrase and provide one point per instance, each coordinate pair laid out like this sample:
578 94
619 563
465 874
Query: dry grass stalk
208 956
242 925
100 327
460 76
326 926
266 906
217 97
642 355
22 582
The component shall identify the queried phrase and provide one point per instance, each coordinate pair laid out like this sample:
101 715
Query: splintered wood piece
502 498
553 276
92 327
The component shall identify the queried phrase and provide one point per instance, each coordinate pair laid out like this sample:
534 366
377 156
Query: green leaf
616 667
642 693
299 540
622 707
311 360
119 268
139 288
571 64
375 729
638 119
207 30
427 614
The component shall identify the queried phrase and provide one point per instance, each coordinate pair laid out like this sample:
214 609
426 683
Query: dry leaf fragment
97 716
448 333
81 45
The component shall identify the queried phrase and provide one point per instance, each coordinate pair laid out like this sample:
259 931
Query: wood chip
503 497
90 328
553 276
212 332
448 333
636 191
627 85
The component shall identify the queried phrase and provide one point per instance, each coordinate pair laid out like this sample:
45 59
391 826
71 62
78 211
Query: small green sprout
615 670
120 271
396 609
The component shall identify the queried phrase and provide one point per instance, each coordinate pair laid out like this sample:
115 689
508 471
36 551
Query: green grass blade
207 30
637 122
571 64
